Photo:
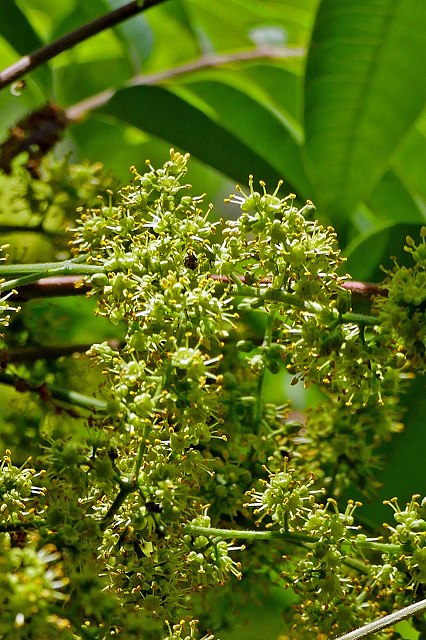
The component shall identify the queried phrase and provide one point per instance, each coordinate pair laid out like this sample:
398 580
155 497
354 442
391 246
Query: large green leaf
260 129
392 201
68 88
372 250
231 24
410 161
94 138
16 29
362 93
136 35
167 116
278 85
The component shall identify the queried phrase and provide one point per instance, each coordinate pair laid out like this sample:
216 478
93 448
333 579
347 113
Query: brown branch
54 287
32 353
364 290
36 58
207 61
37 133
50 393
361 290
73 286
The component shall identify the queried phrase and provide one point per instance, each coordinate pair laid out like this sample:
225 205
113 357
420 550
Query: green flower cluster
142 501
402 313
409 532
31 577
18 493
284 498
344 579
188 423
290 267
339 443
318 552
278 249
5 308
47 202
31 581
154 254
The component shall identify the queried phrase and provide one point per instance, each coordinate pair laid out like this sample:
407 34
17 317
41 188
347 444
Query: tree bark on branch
44 54
60 286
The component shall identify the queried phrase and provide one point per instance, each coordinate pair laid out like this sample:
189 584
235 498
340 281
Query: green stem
78 399
359 318
31 272
239 534
385 622
277 295
384 547
141 453
295 301
284 535
267 341
19 526
40 267
126 488
57 393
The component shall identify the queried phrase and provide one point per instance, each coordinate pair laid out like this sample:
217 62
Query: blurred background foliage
327 95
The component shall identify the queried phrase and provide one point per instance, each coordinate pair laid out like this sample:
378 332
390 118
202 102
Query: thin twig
36 58
48 392
19 228
385 622
218 60
203 62
19 526
125 490
42 352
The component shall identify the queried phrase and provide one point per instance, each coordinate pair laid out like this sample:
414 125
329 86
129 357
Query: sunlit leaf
392 201
233 24
163 114
410 161
260 129
362 94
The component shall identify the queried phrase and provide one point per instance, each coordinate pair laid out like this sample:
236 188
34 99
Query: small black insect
153 507
191 261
